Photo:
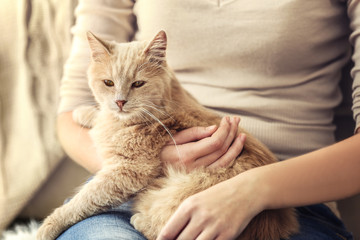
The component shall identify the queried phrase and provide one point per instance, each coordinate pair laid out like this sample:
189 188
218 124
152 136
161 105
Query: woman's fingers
204 146
191 231
182 225
177 222
233 152
183 151
205 215
223 147
208 233
193 134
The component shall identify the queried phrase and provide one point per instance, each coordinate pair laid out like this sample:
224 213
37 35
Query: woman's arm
328 174
77 143
324 175
110 20
199 146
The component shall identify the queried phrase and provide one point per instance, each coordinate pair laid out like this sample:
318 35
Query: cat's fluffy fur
129 139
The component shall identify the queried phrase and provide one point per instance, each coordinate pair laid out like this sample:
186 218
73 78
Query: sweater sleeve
108 19
354 15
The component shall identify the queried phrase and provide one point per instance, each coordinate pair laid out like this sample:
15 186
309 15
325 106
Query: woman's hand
206 215
220 212
211 146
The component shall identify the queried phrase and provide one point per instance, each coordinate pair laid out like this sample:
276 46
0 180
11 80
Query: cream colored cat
140 104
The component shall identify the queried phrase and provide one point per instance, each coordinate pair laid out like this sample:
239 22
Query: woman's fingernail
211 128
242 137
232 120
227 118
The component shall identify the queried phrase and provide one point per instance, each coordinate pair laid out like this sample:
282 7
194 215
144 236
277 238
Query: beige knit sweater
276 64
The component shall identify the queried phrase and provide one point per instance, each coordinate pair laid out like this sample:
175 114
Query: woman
275 64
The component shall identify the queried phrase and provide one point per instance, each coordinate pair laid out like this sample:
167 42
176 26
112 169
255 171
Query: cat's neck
184 104
180 99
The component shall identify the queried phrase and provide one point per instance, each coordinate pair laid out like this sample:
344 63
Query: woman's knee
110 225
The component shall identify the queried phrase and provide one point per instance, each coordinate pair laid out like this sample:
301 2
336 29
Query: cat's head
129 79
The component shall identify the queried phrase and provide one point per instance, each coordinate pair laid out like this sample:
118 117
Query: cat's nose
120 103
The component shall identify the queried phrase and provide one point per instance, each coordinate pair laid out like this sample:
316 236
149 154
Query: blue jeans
317 223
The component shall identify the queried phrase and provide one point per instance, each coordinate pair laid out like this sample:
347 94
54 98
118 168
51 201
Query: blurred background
35 174
34 43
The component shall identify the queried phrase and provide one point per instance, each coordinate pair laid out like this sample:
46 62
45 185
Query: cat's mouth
122 115
122 112
119 111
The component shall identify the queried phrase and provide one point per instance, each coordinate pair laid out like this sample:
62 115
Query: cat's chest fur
112 137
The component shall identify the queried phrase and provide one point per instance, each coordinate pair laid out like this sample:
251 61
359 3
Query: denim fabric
317 223
111 225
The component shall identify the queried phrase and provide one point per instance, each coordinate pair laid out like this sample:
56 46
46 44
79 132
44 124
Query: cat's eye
109 83
138 84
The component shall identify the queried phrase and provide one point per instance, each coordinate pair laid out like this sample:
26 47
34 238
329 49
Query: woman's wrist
252 185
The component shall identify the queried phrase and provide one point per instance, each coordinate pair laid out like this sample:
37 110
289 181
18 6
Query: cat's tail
154 206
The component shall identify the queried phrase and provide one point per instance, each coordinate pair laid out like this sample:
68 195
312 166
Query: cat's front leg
52 226
112 186
82 205
78 208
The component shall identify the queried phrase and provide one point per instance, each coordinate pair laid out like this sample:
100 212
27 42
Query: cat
140 105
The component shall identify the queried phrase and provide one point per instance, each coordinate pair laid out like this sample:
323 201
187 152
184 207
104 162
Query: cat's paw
140 222
134 219
47 231
85 115
143 224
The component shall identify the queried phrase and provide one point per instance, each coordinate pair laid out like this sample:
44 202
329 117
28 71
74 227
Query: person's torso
274 63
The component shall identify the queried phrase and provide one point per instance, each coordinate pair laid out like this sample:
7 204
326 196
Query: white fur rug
22 232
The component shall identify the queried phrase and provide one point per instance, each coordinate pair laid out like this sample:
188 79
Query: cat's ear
156 49
100 49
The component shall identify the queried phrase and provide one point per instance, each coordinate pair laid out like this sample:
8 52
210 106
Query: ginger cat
141 104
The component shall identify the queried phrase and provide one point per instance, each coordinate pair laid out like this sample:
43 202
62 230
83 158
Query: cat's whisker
143 116
149 104
171 101
147 121
166 129
161 112
153 104
157 107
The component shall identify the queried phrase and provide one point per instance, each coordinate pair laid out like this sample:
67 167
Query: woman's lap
317 223
114 224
